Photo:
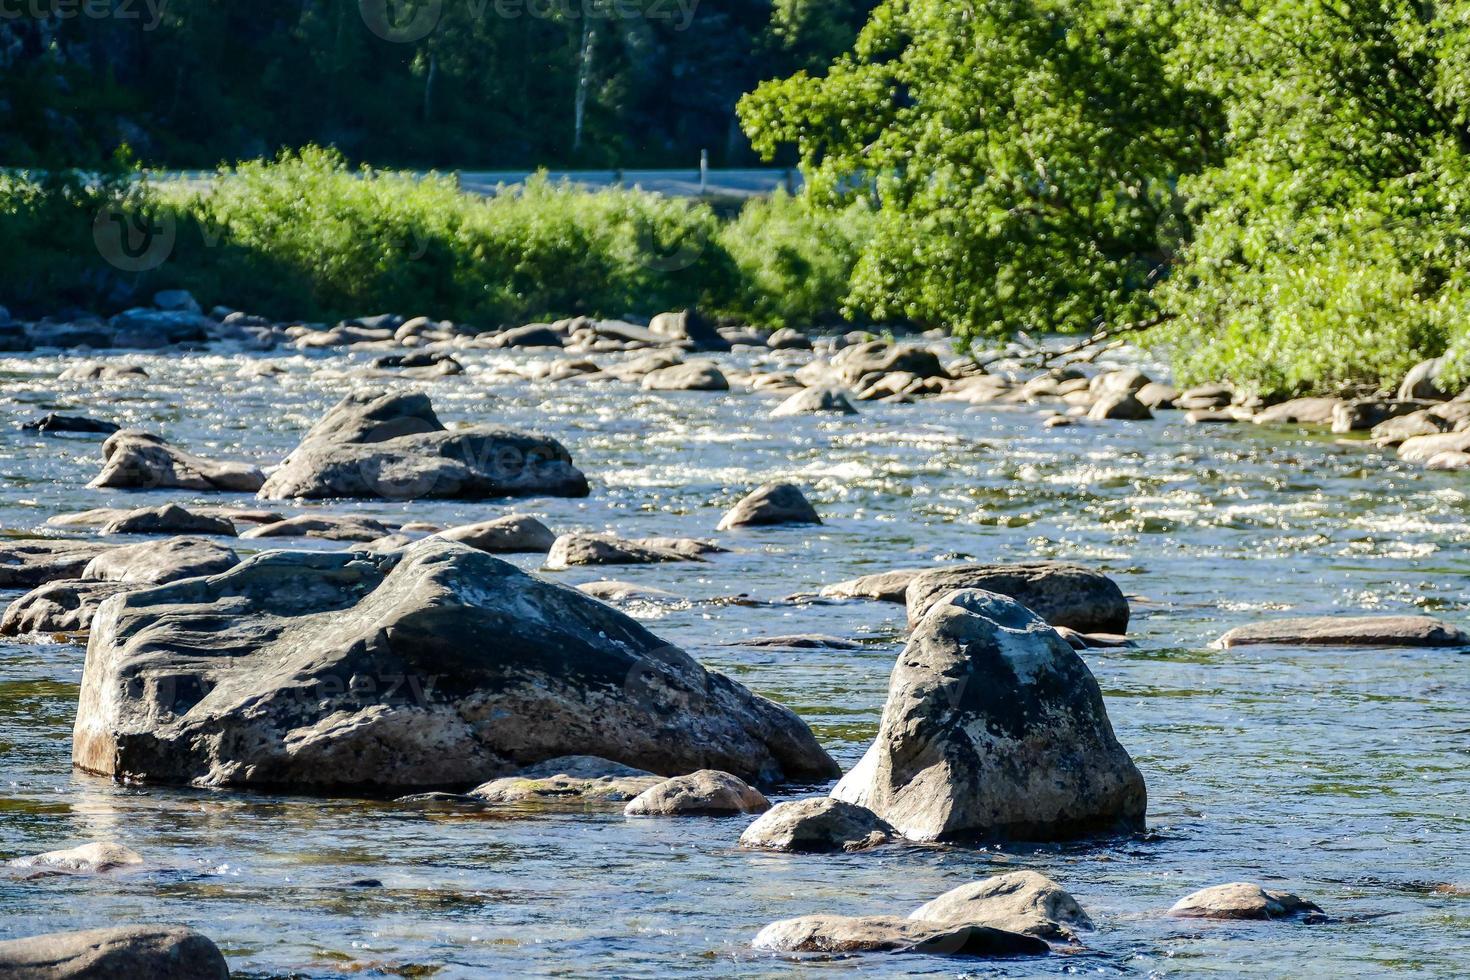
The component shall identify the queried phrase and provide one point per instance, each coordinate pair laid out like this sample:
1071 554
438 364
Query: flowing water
1337 774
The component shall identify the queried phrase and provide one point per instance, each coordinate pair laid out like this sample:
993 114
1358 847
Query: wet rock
788 339
1299 411
1060 593
882 587
857 363
1220 416
1057 422
1359 416
773 503
1423 381
92 858
327 526
1090 641
66 606
1118 405
891 934
1242 900
102 372
390 445
437 667
994 728
132 952
800 641
707 793
53 422
1421 449
168 519
689 376
531 335
606 549
1123 381
813 401
1395 431
422 363
1018 901
1204 397
574 779
820 825
610 590
27 563
1155 395
136 460
157 562
1450 460
1348 631
690 549
512 534
142 327
689 326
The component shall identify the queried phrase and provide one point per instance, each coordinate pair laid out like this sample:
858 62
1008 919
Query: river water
1339 775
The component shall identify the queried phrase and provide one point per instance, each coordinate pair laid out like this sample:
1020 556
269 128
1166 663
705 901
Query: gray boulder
25 564
531 335
1395 431
882 587
60 607
168 519
1018 901
137 460
820 825
1421 449
1119 405
157 562
331 527
892 934
514 533
706 793
1423 381
1364 414
131 952
577 780
995 728
860 361
1205 397
52 422
393 446
788 339
773 503
691 327
1060 593
1299 411
94 858
1348 631
435 667
689 376
815 401
607 549
1243 900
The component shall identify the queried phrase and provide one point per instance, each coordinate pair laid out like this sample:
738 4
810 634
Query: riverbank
1284 765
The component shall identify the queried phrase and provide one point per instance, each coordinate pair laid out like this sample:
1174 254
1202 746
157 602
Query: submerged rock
1348 631
27 563
815 401
168 519
331 527
892 934
573 779
512 534
436 667
92 858
707 793
1018 901
818 825
394 446
773 503
1060 593
1242 900
614 591
132 952
882 587
53 422
137 460
994 728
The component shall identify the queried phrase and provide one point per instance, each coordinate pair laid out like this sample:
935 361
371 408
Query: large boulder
892 934
882 587
1118 405
433 667
995 728
1348 631
131 952
773 503
877 357
577 780
1018 901
691 327
137 460
811 401
329 527
157 562
689 376
1421 449
1423 381
59 607
1060 593
392 445
25 564
1300 411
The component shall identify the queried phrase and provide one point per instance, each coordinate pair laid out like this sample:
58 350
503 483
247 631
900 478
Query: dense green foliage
451 83
1275 187
308 236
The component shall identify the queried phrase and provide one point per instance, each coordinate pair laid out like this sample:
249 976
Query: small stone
771 504
815 401
614 591
882 587
1018 901
606 549
571 779
1243 900
89 859
707 792
512 534
817 825
53 422
891 934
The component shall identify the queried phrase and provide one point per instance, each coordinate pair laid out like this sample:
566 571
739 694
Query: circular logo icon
401 21
133 241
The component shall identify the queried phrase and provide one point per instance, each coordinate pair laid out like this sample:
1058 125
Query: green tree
1021 153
